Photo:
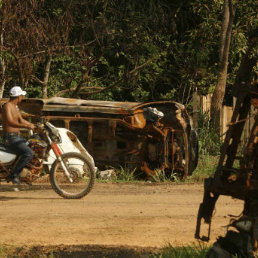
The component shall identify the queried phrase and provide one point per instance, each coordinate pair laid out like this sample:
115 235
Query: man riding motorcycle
12 122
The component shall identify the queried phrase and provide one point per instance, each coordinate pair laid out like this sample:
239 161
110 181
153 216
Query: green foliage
7 251
126 174
162 176
124 50
209 139
196 251
206 167
3 251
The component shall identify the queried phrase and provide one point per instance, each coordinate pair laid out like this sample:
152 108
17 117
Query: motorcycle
71 175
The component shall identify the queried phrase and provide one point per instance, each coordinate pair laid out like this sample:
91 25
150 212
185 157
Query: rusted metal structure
236 175
148 136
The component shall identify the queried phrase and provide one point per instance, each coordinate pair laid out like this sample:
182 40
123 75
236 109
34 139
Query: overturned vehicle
152 137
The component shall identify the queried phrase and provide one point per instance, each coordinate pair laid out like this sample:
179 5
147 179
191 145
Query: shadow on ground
89 251
23 187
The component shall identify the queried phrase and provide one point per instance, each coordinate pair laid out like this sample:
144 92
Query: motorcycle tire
76 164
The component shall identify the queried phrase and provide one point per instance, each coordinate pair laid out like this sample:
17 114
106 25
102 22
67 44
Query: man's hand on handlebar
31 127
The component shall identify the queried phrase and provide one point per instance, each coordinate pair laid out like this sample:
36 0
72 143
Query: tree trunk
20 71
219 92
2 79
46 77
3 68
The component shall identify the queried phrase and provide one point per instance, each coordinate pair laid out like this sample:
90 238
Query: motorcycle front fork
58 154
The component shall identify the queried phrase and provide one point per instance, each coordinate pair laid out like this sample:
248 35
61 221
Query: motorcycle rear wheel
81 172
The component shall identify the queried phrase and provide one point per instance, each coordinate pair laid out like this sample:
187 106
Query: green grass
196 251
2 251
8 251
206 167
166 252
125 174
162 177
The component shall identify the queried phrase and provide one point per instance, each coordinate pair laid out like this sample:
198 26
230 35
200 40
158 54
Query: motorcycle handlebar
30 132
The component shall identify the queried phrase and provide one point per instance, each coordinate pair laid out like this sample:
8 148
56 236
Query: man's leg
18 145
25 155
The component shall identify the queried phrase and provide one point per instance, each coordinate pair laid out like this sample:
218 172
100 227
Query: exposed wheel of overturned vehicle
193 152
176 156
81 172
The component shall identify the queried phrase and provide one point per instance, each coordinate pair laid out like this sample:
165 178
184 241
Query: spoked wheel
81 176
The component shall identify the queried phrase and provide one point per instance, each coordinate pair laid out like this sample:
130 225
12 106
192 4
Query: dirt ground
131 215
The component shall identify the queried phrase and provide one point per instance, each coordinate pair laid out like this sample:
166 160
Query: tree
3 66
118 50
2 58
219 92
31 32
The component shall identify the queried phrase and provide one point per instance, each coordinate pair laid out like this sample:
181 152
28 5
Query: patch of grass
3 251
196 251
209 138
161 176
206 167
7 251
125 174
74 251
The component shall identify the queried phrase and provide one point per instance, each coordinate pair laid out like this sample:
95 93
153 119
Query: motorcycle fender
6 157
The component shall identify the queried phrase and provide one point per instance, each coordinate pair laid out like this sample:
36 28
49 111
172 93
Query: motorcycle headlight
56 138
53 133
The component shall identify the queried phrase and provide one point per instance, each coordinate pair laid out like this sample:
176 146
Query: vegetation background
121 50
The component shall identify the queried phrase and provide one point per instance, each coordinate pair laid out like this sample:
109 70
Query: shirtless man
12 122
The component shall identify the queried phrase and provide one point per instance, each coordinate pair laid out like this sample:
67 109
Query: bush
209 138
206 167
209 149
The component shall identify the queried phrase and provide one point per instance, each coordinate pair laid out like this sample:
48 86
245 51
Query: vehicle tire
194 152
82 172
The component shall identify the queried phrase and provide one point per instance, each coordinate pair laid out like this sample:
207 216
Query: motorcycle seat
4 149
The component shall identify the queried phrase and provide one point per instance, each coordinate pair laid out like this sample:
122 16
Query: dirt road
145 215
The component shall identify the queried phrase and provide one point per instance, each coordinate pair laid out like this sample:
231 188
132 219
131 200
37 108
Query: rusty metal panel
73 105
96 103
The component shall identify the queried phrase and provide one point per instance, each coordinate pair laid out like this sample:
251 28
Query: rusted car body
148 136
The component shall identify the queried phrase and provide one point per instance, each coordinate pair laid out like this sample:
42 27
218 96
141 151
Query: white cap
16 91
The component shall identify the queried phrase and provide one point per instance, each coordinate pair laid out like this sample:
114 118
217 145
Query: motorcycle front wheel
81 172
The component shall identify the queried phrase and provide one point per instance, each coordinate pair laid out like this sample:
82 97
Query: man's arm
25 122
